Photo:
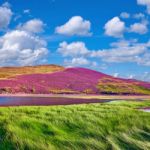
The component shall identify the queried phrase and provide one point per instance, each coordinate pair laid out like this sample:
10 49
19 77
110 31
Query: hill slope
71 80
8 72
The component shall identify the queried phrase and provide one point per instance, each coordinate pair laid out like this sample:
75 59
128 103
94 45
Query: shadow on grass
5 142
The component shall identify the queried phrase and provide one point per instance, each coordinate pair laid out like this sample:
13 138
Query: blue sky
111 36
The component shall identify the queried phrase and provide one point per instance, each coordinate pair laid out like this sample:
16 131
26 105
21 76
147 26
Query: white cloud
122 43
121 54
103 66
75 26
140 28
145 3
116 74
21 48
131 52
72 49
121 51
34 26
114 27
17 17
78 53
125 15
94 64
145 60
26 11
144 76
6 4
5 16
131 76
139 16
79 61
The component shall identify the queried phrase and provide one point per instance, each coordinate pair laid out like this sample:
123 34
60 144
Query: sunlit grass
117 125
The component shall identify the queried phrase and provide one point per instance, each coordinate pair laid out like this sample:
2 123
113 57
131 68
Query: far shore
80 96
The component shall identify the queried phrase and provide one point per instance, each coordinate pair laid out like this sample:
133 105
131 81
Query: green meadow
108 126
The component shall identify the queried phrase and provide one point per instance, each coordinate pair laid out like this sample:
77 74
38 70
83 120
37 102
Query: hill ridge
60 80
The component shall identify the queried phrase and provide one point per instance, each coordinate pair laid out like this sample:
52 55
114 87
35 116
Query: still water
29 101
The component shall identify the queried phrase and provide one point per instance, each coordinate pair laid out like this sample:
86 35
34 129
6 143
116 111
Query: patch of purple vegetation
74 79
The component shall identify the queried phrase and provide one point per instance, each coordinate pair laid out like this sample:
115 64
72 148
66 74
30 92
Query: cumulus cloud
140 28
144 76
26 11
78 53
117 55
6 4
34 26
123 43
145 60
21 48
139 16
116 74
72 49
125 15
5 16
75 26
145 3
79 61
131 52
114 27
121 51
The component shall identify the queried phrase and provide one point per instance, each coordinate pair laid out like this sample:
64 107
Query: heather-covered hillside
57 80
7 72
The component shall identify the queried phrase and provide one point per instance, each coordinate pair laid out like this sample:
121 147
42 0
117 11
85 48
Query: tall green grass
116 126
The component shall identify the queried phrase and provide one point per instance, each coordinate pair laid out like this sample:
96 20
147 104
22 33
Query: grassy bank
96 126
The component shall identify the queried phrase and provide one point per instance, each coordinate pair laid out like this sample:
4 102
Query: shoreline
80 96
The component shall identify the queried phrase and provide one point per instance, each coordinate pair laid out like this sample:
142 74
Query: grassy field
114 125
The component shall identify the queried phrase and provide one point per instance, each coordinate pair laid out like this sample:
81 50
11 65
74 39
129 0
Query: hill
58 80
8 72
